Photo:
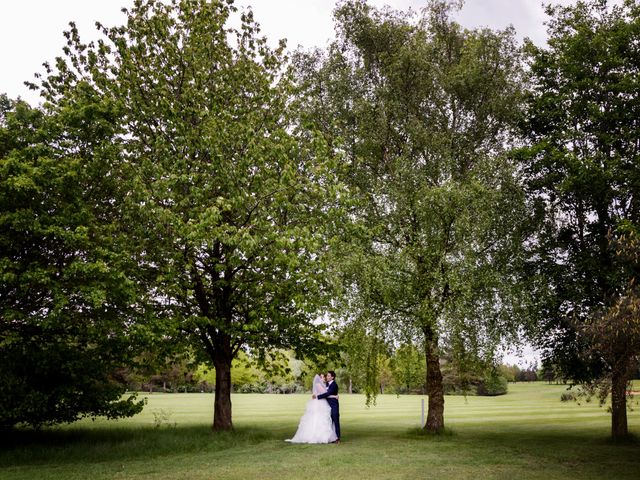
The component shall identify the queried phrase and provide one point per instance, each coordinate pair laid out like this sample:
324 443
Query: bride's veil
318 385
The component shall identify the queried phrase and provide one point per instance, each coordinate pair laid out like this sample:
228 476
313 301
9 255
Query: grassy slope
526 434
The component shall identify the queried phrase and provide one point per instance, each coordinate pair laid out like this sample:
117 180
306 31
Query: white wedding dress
315 425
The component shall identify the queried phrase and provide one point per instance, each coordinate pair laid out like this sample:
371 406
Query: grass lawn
527 434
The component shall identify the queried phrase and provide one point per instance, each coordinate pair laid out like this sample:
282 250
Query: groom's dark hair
333 374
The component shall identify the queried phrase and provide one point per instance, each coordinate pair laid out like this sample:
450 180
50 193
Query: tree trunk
350 386
222 401
619 430
435 389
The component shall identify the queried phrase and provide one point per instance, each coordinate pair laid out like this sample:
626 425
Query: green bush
567 397
493 385
257 387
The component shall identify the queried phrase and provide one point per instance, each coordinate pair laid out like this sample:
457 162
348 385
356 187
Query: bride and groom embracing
321 420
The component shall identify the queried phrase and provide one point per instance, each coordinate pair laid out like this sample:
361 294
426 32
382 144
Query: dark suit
332 389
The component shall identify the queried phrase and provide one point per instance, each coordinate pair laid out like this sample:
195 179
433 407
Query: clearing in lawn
527 434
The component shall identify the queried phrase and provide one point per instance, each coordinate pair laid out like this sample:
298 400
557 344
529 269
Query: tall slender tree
422 111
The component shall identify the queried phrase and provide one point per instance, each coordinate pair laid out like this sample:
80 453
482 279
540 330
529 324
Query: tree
493 384
614 337
421 110
582 172
228 194
509 372
68 316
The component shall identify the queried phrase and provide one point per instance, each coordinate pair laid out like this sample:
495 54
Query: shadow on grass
630 439
543 436
445 434
80 445
565 448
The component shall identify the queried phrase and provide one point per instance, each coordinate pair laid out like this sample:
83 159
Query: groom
332 389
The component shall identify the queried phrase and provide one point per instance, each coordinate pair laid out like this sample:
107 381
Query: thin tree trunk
435 389
222 401
619 429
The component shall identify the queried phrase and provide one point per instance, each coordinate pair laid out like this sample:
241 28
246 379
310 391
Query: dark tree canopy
582 168
66 307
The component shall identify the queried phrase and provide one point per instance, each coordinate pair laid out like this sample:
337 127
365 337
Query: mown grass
527 434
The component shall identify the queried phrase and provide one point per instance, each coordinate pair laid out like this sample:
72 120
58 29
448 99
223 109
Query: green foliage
613 334
163 417
243 372
422 112
285 374
582 169
582 166
457 381
493 385
68 309
226 195
408 366
509 372
205 374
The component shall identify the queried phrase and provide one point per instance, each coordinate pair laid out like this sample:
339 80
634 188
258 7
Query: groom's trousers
335 418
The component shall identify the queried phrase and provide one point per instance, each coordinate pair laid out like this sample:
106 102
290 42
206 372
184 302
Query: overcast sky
31 30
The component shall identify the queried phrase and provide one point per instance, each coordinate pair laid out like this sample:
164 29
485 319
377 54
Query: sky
31 30
31 33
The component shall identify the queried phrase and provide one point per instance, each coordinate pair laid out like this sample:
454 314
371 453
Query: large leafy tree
421 109
67 309
583 174
227 194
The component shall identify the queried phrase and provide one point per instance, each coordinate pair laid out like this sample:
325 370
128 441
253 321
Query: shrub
567 397
289 388
493 385
252 388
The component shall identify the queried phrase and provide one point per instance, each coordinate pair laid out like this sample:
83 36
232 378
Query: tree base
423 432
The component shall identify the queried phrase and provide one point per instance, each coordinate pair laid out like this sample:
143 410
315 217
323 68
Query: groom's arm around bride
332 389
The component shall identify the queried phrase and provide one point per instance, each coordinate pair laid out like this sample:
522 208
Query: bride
316 425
